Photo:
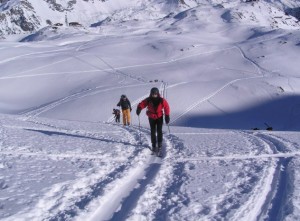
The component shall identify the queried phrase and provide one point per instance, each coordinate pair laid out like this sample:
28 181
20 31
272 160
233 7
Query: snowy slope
64 158
66 172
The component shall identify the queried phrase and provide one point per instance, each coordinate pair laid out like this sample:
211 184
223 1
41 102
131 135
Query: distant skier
125 105
117 113
156 107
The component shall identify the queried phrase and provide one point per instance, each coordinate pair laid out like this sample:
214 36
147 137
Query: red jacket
153 112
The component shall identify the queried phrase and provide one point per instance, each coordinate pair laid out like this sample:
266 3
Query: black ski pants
156 128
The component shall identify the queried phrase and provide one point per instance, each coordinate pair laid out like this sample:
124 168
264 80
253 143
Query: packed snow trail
123 194
116 204
141 185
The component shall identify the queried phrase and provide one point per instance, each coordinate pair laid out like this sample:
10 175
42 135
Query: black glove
138 111
167 119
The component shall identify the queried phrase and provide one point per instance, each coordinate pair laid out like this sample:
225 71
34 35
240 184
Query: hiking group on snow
157 107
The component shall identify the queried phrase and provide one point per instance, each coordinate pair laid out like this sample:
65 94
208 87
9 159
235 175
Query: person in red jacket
156 107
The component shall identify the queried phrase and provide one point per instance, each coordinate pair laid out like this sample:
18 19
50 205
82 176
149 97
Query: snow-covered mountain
229 71
27 16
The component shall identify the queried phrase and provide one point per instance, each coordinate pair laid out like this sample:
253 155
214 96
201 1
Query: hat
154 90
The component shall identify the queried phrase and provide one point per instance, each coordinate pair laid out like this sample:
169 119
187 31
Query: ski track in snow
117 204
117 201
50 204
79 95
278 198
126 190
261 72
139 182
115 69
75 96
143 176
216 92
37 68
31 54
252 209
134 176
89 92
211 95
150 184
135 173
268 199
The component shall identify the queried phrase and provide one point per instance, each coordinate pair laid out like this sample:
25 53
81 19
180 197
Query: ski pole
140 130
169 129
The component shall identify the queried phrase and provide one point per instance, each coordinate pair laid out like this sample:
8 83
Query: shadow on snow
281 114
57 133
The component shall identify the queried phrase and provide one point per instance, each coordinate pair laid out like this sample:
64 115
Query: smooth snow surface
64 158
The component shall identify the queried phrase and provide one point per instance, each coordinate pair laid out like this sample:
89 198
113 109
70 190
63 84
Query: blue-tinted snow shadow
181 15
281 114
259 32
99 23
57 133
31 37
295 12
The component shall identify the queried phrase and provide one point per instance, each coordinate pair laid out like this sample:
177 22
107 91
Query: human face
155 95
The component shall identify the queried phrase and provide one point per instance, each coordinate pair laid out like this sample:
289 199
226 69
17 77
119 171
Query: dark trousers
156 128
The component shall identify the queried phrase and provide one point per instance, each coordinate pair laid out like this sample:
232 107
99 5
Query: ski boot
153 149
159 151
